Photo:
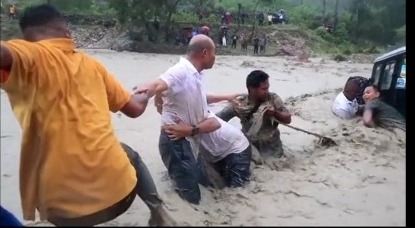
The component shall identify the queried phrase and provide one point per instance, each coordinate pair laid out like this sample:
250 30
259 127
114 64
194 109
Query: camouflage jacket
268 133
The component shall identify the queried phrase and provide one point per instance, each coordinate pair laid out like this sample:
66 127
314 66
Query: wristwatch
195 130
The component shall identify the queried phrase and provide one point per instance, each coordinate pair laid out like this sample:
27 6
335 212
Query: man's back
385 115
224 141
71 162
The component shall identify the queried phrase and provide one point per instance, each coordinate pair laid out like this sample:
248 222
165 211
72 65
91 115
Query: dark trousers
8 219
145 189
255 49
233 44
235 168
183 168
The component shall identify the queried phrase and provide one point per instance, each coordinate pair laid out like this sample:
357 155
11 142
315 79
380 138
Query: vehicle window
377 74
403 68
387 75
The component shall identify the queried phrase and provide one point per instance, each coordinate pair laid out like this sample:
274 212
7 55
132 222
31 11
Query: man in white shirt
185 100
345 105
229 153
226 150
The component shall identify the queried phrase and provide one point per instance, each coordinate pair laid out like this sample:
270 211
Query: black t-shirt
385 115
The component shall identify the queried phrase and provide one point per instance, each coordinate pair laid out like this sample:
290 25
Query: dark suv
389 74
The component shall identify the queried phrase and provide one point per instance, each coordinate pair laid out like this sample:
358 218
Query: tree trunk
168 19
239 15
254 22
336 14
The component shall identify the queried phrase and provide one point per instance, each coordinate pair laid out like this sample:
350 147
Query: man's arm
368 118
218 98
368 113
136 106
280 112
6 58
169 80
181 130
150 89
227 113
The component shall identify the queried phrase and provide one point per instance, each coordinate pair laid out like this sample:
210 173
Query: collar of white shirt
189 65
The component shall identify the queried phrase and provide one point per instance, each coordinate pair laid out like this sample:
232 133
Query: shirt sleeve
227 113
23 53
278 103
117 96
173 77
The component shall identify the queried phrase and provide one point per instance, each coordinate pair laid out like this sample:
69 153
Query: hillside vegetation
359 26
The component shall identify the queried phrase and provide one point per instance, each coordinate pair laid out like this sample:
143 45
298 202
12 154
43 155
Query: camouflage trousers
269 149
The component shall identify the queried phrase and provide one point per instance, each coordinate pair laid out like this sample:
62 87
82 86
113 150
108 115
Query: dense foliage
356 23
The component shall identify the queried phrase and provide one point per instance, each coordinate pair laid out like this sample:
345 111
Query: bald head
199 43
201 52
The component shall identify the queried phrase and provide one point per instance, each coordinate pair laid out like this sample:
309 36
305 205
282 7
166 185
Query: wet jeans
146 189
235 168
185 171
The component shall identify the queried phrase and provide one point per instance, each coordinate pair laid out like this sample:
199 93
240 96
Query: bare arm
6 58
280 112
208 125
181 130
368 118
150 89
136 106
218 98
227 113
283 116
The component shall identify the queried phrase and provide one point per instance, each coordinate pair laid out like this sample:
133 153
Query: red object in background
228 18
205 30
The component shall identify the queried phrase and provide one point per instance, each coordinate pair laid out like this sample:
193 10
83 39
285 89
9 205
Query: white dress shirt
344 108
224 141
185 98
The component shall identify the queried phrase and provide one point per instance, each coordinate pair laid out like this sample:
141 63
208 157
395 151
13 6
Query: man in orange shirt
73 170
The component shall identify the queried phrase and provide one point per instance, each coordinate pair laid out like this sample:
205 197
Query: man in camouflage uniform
259 112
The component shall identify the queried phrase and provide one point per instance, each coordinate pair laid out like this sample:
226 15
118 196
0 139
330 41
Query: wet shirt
268 137
385 115
71 163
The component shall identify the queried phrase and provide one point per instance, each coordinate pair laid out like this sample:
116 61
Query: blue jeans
185 171
235 168
8 219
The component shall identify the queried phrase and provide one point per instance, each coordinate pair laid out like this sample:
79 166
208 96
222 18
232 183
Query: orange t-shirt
71 162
